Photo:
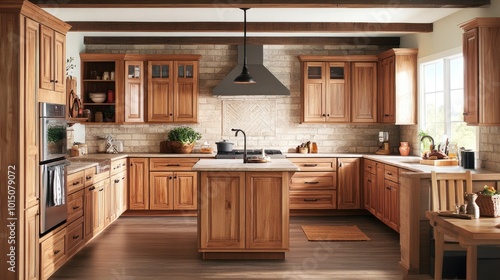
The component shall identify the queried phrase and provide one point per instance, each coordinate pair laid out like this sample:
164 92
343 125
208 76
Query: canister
468 159
98 117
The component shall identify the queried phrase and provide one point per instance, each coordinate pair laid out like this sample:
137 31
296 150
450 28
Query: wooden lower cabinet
243 212
162 184
31 243
53 252
315 185
75 238
138 175
381 189
349 189
173 190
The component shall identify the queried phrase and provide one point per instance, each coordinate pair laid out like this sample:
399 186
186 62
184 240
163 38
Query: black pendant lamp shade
244 77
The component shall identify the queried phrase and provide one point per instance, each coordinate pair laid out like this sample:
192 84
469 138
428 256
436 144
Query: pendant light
244 77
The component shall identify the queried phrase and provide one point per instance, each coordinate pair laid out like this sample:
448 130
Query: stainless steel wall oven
53 165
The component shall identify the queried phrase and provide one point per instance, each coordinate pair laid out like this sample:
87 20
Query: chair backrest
448 189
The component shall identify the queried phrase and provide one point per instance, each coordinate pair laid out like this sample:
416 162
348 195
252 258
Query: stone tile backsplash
269 121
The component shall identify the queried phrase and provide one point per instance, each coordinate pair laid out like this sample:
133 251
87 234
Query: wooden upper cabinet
364 92
160 91
397 86
52 66
134 91
186 92
325 92
481 71
339 89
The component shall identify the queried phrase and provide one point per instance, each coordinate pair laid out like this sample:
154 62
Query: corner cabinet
339 89
481 71
397 86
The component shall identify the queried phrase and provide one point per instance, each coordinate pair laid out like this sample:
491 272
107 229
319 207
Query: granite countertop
238 165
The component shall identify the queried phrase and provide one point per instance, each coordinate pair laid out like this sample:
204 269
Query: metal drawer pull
310 199
172 164
75 207
369 180
57 252
76 183
92 188
88 178
389 173
388 187
310 164
117 181
76 236
311 183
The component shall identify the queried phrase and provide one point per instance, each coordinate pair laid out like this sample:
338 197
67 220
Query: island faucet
245 159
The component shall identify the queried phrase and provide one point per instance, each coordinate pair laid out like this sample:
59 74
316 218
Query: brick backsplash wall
287 133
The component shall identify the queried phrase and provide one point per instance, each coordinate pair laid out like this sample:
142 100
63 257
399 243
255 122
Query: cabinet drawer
53 253
118 165
313 180
313 200
75 182
74 236
370 166
315 164
75 205
172 164
89 176
391 173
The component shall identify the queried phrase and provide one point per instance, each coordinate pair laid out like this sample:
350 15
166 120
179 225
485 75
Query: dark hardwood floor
166 248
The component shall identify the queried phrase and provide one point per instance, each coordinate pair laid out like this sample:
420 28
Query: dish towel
56 198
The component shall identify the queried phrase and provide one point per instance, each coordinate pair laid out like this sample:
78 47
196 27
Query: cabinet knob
386 115
117 181
56 81
465 114
324 115
388 187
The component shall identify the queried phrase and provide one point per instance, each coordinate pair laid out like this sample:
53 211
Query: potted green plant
182 139
55 138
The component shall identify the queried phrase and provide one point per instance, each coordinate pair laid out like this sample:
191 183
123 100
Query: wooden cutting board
439 162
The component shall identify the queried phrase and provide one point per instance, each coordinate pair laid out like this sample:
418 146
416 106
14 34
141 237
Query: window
442 102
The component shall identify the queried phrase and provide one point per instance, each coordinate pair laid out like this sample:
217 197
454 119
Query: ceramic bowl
97 97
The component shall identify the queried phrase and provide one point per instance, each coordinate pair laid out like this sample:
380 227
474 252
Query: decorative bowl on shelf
97 97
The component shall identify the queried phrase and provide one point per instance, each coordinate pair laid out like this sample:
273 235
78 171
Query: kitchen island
243 209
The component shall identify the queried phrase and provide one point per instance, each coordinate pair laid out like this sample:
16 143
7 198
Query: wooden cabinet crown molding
34 12
328 58
397 51
480 22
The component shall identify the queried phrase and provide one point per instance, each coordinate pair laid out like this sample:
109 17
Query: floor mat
334 233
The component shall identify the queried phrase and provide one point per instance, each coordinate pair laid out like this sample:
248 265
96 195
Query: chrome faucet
245 159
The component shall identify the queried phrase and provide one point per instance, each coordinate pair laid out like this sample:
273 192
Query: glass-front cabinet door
134 91
186 91
160 91
326 97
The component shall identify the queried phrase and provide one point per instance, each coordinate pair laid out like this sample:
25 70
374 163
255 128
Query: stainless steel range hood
266 82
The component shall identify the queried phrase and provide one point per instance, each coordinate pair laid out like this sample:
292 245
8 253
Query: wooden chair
447 190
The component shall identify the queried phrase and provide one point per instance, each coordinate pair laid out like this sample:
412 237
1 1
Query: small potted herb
182 139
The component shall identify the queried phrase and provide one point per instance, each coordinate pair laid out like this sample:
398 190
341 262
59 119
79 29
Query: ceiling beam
362 40
274 27
261 3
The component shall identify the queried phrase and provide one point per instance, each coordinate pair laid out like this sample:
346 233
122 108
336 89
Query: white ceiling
375 15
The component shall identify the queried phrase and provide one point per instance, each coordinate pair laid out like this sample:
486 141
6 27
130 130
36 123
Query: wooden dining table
470 233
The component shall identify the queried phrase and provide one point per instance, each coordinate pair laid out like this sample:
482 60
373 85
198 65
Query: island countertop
238 165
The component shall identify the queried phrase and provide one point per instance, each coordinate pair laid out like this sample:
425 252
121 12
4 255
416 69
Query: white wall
447 35
74 46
